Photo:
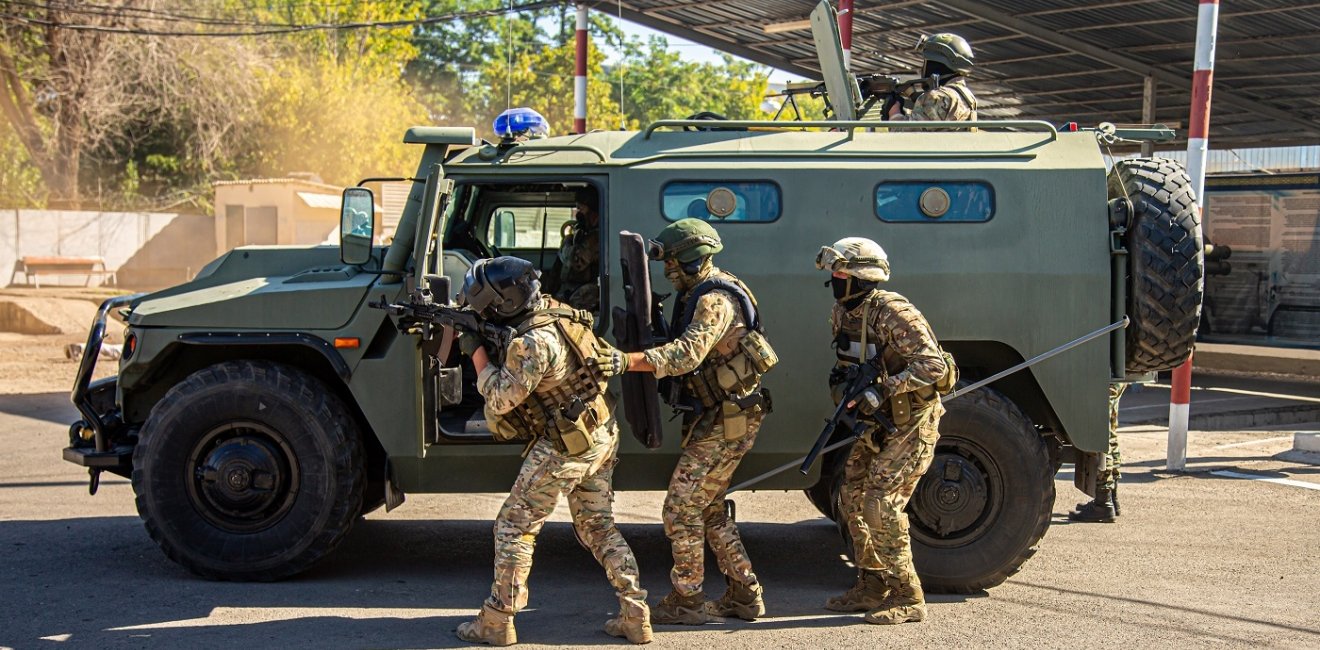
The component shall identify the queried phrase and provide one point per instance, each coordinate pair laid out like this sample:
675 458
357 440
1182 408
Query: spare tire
1166 262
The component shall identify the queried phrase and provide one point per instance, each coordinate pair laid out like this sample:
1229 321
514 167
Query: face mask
682 280
841 287
850 291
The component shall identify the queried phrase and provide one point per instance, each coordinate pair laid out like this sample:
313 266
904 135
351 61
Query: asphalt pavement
1198 559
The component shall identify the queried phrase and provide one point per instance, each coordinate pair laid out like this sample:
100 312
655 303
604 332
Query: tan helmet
856 256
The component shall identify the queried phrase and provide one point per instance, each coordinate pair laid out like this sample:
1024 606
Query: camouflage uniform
537 362
951 102
880 476
694 507
1109 478
579 266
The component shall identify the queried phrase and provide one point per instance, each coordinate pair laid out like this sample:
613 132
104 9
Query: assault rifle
889 89
857 379
421 314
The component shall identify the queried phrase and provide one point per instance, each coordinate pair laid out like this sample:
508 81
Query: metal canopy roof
1054 60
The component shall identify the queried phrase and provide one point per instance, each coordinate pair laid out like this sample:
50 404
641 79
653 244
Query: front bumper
100 441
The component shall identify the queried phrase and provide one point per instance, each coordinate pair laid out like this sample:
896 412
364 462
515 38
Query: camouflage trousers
586 481
694 507
878 482
1108 478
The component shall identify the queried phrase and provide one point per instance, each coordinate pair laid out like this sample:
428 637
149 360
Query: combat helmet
858 257
951 50
686 240
501 288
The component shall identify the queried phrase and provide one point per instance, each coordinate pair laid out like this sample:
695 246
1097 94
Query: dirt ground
37 364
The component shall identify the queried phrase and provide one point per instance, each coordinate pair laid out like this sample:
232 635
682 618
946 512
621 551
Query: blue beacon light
517 122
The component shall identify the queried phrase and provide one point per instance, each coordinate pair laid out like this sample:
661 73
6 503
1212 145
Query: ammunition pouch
947 382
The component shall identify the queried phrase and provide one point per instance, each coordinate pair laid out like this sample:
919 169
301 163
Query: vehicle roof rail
851 125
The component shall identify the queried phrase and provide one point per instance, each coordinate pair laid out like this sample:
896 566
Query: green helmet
950 49
685 240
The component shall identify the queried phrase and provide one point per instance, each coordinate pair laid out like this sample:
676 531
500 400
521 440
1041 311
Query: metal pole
1148 113
1198 132
846 30
580 74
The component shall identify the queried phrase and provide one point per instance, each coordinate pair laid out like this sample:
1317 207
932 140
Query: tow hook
95 481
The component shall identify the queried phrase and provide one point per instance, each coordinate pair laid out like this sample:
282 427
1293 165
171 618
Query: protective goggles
829 259
657 251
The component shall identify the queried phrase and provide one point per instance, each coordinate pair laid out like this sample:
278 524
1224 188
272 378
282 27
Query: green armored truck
263 406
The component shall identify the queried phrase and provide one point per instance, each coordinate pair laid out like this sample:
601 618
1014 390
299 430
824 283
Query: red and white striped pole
1198 137
580 74
845 30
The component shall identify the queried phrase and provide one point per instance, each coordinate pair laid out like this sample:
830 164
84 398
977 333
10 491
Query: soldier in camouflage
881 473
1104 509
577 270
551 390
948 59
716 355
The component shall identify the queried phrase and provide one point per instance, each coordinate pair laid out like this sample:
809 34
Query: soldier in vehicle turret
883 469
948 62
716 358
550 390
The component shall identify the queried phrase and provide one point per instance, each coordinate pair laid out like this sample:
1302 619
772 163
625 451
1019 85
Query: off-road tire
1166 262
983 434
269 416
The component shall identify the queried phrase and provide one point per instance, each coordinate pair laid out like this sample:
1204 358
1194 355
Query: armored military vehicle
263 406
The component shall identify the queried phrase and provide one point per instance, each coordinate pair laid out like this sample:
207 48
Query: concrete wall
125 240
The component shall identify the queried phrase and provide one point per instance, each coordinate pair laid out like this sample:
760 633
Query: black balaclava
850 291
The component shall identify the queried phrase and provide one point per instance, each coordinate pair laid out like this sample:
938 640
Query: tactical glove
611 361
870 400
468 344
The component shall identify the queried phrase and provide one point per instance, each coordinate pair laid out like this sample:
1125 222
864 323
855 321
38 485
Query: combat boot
906 603
677 609
1101 510
869 590
490 626
637 629
741 601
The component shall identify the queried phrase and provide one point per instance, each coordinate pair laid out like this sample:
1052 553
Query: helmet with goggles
686 241
858 257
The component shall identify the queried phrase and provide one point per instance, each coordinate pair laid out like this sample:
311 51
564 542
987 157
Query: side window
520 226
720 201
916 201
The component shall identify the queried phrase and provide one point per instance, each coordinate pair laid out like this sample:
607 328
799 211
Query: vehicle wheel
985 502
1167 265
248 470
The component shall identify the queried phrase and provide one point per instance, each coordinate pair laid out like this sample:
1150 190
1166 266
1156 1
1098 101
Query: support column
1198 135
846 30
1148 113
580 73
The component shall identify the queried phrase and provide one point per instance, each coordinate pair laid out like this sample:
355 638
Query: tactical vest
733 369
568 412
855 344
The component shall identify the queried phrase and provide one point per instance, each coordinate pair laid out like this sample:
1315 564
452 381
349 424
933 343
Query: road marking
1253 442
1239 391
1268 479
252 615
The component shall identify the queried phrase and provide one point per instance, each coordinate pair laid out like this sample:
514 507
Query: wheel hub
243 477
953 499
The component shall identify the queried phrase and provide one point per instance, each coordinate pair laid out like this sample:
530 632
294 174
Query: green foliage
20 181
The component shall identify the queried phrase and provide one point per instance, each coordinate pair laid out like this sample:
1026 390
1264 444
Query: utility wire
289 29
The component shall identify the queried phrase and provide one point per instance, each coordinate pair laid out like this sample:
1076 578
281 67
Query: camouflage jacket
534 362
895 330
717 326
951 102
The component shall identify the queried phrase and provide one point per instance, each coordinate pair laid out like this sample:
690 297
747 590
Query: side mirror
357 225
506 234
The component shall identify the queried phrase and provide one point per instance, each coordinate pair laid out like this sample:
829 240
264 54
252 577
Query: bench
32 266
